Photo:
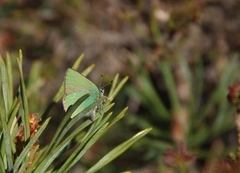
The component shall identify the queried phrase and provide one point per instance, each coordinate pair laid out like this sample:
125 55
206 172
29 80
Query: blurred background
180 57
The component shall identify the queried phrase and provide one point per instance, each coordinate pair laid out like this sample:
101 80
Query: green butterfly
75 86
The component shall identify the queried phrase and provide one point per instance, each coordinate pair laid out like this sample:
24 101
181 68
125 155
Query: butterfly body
77 85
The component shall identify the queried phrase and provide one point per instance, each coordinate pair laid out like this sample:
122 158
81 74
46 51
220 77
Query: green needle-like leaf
169 79
9 79
117 151
4 83
7 141
119 86
59 132
2 167
23 93
51 157
81 150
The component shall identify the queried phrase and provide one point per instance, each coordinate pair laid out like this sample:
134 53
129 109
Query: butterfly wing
76 85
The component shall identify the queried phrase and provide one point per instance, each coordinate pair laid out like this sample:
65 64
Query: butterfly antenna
101 88
109 83
100 83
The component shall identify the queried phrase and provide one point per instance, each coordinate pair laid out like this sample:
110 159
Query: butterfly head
101 90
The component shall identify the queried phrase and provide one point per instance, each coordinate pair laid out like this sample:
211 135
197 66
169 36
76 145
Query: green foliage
198 118
55 156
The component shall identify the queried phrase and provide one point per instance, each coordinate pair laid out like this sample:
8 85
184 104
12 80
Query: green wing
75 86
75 82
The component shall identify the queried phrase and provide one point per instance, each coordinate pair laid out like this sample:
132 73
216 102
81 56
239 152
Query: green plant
182 107
21 129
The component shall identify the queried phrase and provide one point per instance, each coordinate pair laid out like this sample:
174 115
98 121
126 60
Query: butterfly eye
101 91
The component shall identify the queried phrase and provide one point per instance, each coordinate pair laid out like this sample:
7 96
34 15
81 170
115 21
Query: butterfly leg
92 114
98 108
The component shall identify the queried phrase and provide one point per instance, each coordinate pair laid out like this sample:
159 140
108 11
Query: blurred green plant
20 129
182 108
